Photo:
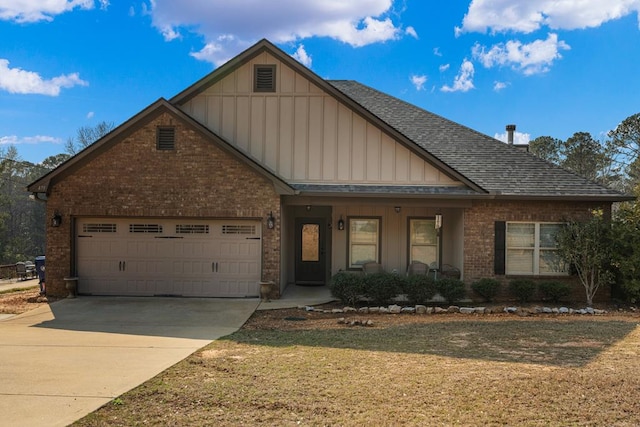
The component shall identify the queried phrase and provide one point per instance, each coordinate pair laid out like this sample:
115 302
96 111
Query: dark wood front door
311 242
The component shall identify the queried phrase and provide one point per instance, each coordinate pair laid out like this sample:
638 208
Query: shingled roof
498 168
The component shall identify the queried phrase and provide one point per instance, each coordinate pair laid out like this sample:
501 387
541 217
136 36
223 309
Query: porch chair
417 268
372 268
433 270
450 271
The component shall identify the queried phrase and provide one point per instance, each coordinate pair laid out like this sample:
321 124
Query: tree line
22 219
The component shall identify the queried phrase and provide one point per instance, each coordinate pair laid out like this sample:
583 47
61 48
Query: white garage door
150 257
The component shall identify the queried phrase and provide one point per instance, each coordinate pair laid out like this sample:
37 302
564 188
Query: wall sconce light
308 208
56 220
271 221
438 221
341 223
397 209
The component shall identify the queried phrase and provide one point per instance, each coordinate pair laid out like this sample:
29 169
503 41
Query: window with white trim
423 241
364 241
532 249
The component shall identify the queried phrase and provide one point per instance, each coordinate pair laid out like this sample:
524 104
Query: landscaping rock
599 312
466 310
395 309
430 310
408 309
368 323
363 310
453 309
480 310
439 310
337 310
383 310
421 309
510 309
563 310
348 309
590 310
555 310
341 321
374 309
547 310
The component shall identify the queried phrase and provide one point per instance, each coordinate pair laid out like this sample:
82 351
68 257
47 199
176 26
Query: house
264 171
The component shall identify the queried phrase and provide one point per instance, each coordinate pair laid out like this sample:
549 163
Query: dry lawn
405 370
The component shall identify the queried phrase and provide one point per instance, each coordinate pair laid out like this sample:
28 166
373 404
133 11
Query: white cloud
518 137
38 10
498 86
228 27
302 56
436 51
90 115
15 140
17 80
463 82
410 31
444 67
418 81
526 16
532 58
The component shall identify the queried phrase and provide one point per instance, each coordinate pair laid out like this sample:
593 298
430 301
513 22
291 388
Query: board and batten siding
305 135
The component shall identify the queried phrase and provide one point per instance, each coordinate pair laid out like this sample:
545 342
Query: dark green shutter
500 247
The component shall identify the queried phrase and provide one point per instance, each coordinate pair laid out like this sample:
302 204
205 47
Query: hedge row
382 288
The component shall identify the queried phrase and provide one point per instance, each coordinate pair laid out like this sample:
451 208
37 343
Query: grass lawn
425 370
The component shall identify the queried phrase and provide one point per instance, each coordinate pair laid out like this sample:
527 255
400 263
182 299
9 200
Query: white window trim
352 242
536 251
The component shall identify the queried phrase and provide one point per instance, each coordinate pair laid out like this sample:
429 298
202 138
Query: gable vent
166 138
265 78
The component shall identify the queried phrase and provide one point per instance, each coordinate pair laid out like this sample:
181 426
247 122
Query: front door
311 244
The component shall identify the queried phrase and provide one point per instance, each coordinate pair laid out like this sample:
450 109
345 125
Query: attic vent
98 228
192 229
239 229
264 78
145 228
166 138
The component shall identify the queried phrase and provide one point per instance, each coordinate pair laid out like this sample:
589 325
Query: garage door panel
168 257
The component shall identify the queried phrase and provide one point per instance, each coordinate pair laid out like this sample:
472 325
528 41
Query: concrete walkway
298 296
60 362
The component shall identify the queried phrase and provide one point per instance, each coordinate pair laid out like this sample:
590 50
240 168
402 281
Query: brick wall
479 232
133 179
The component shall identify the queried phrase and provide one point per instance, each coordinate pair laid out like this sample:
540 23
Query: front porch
322 235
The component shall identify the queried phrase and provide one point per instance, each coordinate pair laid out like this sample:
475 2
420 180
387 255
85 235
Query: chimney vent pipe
510 130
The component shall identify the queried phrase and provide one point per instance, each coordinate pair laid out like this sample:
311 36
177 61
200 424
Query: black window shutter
500 247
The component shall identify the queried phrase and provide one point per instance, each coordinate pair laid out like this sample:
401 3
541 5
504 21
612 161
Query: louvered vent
166 138
98 228
192 229
145 228
265 78
239 229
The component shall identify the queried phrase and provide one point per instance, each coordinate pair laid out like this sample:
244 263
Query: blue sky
552 67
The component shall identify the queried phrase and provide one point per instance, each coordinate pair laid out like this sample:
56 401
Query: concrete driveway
63 361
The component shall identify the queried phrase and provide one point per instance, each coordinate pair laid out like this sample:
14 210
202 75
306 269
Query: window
423 241
531 249
264 78
166 138
364 241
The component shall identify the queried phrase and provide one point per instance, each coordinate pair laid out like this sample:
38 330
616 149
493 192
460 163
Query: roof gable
42 185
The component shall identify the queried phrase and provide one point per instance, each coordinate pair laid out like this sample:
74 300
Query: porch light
341 223
271 221
397 209
56 219
438 221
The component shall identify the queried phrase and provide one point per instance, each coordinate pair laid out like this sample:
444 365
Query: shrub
554 291
522 289
486 288
381 288
451 290
419 288
347 287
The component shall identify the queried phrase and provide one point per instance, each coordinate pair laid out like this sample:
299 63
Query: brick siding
133 179
479 235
